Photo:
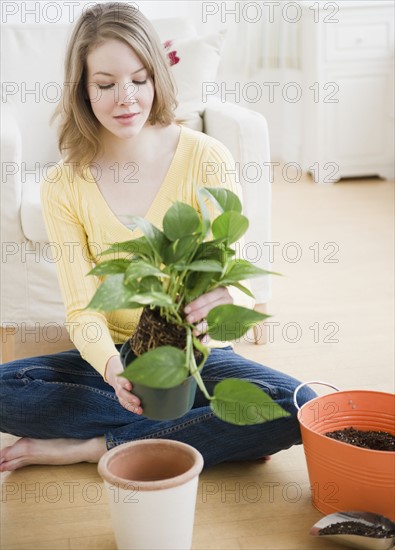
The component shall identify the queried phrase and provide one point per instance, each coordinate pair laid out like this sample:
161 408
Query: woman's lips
126 118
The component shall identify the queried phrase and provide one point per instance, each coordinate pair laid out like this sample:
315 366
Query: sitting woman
117 114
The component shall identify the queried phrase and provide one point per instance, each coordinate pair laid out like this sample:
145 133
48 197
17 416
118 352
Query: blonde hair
78 137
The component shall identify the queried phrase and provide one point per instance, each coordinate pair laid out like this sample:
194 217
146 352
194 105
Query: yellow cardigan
80 222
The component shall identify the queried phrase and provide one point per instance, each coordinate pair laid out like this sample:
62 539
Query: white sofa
32 71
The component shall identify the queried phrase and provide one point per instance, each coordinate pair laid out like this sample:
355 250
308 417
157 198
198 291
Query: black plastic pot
162 404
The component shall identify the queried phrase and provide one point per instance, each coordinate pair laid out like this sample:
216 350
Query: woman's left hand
198 309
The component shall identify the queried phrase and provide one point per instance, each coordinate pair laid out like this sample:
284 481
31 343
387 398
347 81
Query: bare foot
27 451
265 458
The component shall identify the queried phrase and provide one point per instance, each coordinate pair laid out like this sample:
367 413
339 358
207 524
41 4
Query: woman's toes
10 465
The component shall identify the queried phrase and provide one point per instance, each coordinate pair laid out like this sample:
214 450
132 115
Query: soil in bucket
367 439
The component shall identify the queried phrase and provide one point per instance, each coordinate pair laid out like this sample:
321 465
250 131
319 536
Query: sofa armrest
245 134
14 294
11 167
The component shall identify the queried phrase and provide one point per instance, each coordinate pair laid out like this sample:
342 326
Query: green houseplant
161 272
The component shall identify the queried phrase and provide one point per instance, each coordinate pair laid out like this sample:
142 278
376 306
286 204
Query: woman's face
119 89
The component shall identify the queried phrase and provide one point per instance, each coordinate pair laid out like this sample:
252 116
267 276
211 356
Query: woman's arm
88 329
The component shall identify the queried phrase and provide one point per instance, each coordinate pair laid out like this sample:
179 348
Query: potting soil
357 528
377 441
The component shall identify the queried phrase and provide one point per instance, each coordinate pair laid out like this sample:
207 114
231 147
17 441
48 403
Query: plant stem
197 376
193 367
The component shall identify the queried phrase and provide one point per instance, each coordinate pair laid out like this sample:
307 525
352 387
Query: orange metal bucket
342 476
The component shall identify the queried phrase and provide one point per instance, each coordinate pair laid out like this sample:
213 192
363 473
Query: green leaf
180 250
224 199
155 238
136 247
150 284
142 269
243 403
210 250
230 226
110 267
203 265
230 322
244 289
163 367
113 294
205 221
198 283
240 270
180 220
159 299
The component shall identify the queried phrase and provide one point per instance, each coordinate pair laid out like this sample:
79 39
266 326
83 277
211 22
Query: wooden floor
335 312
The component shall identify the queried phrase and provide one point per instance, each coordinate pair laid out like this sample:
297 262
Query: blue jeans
62 396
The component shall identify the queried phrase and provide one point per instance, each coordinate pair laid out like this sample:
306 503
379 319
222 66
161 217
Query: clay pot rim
128 484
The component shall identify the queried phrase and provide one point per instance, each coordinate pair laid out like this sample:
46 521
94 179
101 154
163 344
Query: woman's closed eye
109 86
106 87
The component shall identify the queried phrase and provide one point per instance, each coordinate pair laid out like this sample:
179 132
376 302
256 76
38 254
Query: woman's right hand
122 386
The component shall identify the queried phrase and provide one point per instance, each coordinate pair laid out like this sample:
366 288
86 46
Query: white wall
164 8
253 91
67 11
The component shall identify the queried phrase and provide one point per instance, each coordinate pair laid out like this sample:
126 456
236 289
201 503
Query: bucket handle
307 384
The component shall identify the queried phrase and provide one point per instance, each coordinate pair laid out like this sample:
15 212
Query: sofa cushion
195 61
32 220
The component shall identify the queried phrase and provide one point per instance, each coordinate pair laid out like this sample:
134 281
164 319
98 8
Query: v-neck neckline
158 197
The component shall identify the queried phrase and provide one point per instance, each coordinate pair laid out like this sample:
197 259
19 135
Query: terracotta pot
152 486
162 404
342 476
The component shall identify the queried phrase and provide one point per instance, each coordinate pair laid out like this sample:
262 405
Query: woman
123 153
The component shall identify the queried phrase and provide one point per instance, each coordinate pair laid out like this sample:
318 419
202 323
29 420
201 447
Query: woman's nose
127 93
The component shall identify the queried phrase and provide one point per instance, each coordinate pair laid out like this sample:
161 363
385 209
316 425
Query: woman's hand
122 386
199 308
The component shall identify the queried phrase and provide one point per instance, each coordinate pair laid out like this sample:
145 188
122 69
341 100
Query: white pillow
193 61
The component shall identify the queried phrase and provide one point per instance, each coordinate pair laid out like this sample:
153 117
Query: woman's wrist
113 368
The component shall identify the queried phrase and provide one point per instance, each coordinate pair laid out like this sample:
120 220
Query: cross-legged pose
117 114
